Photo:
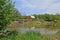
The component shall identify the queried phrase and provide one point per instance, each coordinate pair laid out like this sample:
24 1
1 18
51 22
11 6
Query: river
39 30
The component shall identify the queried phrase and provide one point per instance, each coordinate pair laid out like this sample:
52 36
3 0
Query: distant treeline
45 17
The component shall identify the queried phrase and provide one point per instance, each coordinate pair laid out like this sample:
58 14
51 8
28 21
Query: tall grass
27 36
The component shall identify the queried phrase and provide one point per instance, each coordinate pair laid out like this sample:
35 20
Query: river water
39 30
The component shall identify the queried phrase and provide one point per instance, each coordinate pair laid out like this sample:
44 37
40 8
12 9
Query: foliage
7 12
48 17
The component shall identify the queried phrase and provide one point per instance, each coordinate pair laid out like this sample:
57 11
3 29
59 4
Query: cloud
36 4
39 6
55 8
26 4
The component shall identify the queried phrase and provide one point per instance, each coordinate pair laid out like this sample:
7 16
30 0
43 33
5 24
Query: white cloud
55 8
49 6
41 4
36 4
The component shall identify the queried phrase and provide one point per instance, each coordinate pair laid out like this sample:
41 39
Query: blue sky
29 7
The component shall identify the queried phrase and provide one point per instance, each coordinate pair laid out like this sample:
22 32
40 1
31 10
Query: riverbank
30 36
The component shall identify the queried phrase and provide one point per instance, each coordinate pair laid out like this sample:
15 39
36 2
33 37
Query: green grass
27 36
30 36
11 36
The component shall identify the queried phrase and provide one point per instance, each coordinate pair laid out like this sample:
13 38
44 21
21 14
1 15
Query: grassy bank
27 36
30 36
41 24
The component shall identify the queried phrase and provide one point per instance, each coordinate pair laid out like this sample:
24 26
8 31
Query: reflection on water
40 30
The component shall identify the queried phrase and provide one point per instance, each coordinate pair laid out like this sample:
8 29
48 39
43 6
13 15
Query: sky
29 7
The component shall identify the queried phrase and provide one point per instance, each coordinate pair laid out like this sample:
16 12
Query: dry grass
36 24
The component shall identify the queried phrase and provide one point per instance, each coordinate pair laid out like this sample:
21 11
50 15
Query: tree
17 14
6 13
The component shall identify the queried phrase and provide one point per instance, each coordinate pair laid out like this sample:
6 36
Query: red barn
30 17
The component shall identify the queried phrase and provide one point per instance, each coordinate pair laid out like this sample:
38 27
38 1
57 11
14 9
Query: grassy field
30 36
27 36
